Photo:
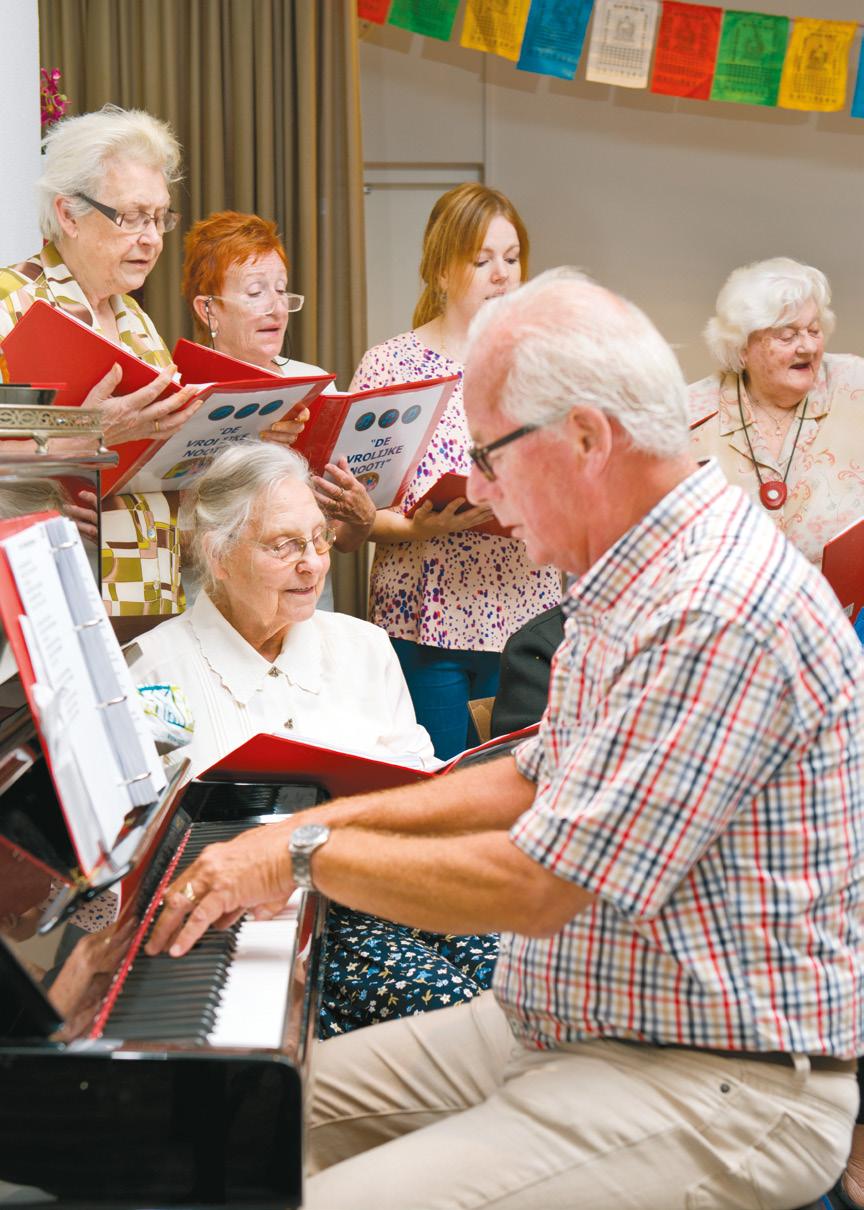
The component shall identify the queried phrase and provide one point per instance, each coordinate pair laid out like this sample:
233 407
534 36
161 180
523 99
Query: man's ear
590 431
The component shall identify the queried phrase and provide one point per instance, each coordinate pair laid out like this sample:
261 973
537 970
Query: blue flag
857 110
554 34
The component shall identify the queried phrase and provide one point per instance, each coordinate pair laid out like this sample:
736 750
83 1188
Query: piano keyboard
230 990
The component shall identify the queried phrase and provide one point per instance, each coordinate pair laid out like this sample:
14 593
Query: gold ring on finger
189 893
155 426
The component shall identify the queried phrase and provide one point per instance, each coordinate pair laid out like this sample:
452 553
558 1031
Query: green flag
750 58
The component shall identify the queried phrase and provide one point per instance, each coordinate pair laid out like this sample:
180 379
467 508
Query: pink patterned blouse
464 591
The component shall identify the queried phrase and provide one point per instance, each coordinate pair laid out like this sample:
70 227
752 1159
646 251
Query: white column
19 128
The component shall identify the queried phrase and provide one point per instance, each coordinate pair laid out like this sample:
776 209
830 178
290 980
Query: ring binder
112 701
128 781
87 625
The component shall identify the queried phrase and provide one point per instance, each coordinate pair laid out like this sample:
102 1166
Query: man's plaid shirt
700 769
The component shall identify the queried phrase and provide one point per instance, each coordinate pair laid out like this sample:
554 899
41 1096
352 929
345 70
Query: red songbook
197 363
448 488
340 772
843 567
47 344
382 433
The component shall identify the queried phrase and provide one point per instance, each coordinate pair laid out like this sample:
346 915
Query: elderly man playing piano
675 861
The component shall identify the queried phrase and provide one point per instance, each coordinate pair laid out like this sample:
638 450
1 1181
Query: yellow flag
816 67
496 26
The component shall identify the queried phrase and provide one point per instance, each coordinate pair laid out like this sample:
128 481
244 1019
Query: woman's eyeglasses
292 550
263 301
135 221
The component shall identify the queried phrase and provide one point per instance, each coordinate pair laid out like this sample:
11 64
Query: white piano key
255 997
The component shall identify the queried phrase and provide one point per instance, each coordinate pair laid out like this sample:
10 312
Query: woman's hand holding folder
142 414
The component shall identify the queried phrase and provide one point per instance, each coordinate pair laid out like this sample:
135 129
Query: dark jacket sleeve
525 661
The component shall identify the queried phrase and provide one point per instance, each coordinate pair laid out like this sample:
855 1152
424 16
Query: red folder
843 567
323 438
197 363
46 343
304 762
449 487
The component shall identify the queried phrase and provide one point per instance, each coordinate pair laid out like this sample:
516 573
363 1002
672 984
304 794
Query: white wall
657 197
19 128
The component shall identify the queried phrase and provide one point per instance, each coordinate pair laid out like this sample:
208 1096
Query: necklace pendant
772 494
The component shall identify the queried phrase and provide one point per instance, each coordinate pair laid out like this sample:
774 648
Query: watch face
308 835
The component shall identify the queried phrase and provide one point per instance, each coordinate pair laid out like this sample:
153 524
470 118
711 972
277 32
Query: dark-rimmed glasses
479 454
135 221
292 550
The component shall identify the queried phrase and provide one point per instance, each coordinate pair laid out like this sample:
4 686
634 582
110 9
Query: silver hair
78 149
766 294
216 509
565 341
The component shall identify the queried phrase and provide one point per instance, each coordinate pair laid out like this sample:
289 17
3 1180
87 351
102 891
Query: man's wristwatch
305 841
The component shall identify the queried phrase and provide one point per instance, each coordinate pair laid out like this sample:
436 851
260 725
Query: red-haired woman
235 280
450 597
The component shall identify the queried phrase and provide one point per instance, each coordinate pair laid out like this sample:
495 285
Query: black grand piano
127 1080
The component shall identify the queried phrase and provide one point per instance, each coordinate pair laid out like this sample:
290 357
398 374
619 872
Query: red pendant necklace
772 492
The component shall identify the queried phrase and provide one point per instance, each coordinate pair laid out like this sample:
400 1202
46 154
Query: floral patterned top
464 591
140 539
826 472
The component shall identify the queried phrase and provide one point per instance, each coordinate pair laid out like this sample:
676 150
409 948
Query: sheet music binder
105 709
843 568
448 488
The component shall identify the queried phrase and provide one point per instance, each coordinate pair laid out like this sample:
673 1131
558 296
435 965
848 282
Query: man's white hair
563 341
78 150
766 294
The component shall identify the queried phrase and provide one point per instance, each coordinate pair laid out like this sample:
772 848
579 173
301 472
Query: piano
125 1080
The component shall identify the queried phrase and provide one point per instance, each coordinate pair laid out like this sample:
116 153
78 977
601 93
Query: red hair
214 244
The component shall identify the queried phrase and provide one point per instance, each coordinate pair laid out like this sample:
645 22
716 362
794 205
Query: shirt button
151 531
273 672
289 724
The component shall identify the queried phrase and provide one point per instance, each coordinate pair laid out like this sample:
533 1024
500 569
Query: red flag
686 50
373 10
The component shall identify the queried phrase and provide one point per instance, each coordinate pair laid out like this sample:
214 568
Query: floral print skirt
375 970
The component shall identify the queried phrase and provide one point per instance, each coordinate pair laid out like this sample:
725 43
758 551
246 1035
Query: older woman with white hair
104 207
254 655
784 419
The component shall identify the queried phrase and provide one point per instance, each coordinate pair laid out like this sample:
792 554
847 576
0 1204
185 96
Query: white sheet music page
77 744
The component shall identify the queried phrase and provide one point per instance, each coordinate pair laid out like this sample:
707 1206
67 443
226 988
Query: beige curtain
264 97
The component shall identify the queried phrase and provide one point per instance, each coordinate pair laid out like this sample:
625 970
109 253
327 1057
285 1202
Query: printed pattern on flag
750 58
686 50
554 36
622 39
814 75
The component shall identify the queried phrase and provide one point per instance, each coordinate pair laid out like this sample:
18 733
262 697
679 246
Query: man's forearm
487 798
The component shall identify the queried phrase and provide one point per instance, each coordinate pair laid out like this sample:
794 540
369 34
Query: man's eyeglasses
292 550
263 301
135 221
479 454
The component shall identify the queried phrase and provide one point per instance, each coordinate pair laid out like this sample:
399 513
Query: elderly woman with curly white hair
784 419
254 655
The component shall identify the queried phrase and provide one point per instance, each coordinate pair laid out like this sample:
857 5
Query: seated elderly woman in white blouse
253 655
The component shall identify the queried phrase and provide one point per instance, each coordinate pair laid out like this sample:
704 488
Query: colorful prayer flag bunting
496 26
554 36
814 74
750 58
373 10
686 50
432 18
622 39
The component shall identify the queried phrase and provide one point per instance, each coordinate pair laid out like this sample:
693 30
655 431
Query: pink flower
53 102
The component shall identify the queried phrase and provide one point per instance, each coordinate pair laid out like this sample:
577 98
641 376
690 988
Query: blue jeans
441 683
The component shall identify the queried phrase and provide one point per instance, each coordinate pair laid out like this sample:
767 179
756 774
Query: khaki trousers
446 1110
